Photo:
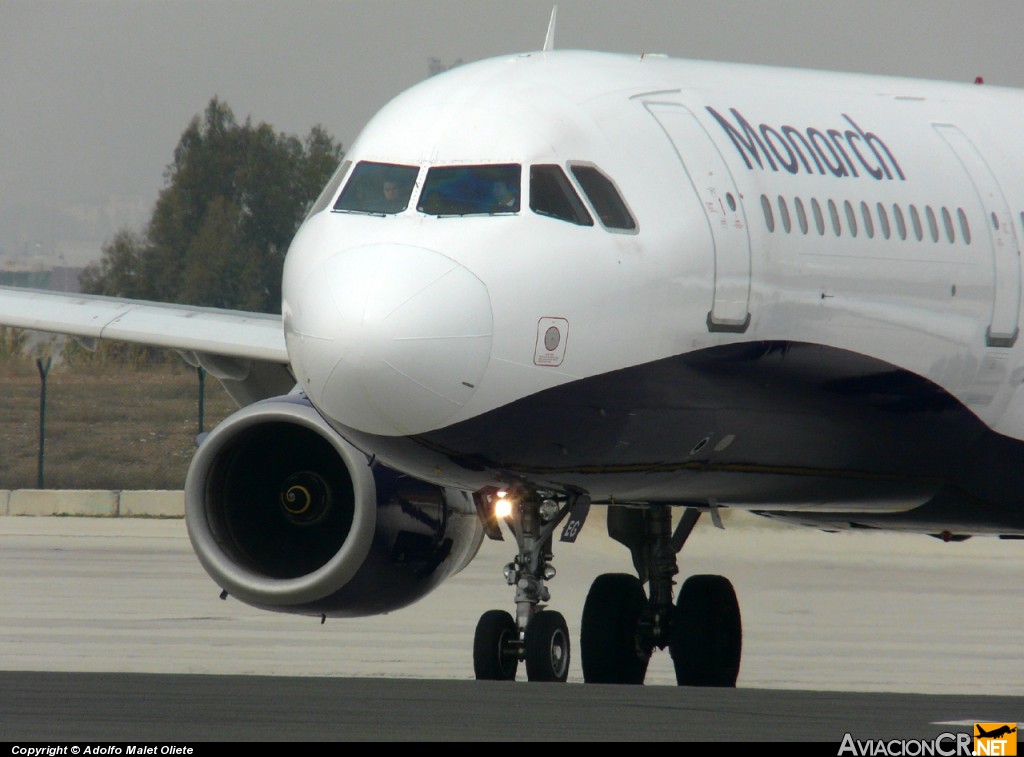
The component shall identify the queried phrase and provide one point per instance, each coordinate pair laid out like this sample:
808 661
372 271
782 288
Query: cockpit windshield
379 188
471 190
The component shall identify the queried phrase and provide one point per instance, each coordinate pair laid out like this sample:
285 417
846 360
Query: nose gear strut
537 635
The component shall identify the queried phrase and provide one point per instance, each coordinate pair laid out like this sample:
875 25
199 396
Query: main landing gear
622 625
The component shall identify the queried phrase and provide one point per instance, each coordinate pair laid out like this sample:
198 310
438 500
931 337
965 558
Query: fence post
44 368
201 372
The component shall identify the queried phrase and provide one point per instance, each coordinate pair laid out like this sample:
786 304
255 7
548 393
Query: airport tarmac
849 612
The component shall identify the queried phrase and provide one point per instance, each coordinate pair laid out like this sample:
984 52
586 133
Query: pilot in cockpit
391 197
505 199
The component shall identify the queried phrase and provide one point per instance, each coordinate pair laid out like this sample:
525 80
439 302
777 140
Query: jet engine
286 515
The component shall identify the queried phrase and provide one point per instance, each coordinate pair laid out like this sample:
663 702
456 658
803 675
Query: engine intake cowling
286 515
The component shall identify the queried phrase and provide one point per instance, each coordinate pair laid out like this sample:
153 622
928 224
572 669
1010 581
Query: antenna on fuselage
549 39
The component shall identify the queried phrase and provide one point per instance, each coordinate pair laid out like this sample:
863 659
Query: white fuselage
770 206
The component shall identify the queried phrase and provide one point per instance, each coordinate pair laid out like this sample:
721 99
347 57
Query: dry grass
107 426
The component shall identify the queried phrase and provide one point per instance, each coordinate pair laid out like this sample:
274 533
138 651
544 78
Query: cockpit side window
332 186
551 194
471 190
378 188
605 198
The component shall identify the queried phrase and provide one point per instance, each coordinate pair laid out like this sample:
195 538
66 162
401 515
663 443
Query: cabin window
915 218
332 186
551 194
995 221
901 223
851 218
883 220
947 222
471 190
933 225
965 228
769 217
801 214
819 219
833 212
604 197
378 188
869 224
787 223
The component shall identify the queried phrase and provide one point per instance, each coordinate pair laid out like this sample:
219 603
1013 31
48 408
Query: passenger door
714 185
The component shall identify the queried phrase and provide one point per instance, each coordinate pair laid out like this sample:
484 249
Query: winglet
549 39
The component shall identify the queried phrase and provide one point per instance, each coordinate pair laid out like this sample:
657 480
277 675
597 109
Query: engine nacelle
286 515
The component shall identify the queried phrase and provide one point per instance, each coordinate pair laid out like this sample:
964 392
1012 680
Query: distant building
58 278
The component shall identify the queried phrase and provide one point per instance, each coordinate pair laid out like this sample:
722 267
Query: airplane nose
389 339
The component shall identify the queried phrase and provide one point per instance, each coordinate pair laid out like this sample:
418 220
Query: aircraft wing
227 333
245 351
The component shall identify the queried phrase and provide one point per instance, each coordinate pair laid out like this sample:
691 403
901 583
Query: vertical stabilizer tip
549 38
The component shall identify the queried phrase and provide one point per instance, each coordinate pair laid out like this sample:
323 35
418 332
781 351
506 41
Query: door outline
1004 323
714 185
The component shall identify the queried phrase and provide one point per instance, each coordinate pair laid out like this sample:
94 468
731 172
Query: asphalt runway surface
111 630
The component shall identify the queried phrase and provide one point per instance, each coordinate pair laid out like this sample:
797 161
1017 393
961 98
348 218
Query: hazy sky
95 93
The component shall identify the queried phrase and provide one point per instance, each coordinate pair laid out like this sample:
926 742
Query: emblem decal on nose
551 339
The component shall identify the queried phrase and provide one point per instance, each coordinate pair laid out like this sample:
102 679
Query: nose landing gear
496 647
537 635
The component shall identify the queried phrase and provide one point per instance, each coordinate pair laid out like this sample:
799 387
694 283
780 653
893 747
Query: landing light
503 506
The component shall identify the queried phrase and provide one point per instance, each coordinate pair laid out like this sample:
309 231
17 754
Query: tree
234 196
118 271
436 66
